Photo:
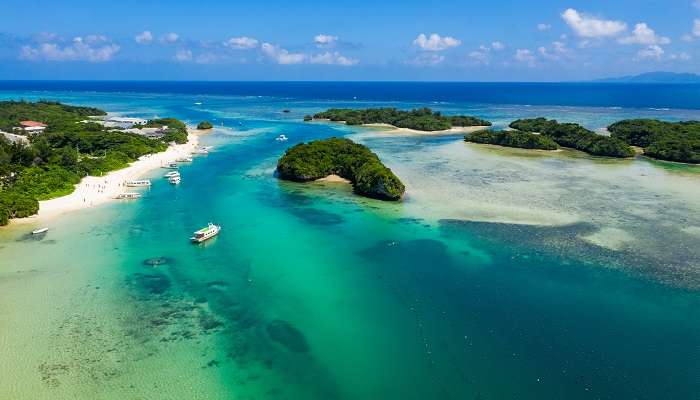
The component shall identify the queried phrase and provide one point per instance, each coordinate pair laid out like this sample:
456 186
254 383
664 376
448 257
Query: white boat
171 166
206 233
281 138
175 180
184 159
171 174
39 231
128 195
141 183
201 150
199 103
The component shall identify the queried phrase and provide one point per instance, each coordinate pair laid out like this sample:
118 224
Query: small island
338 156
513 138
576 137
423 119
204 125
46 148
670 141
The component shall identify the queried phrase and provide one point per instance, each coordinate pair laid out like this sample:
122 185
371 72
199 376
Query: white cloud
323 41
78 50
680 56
282 56
435 42
696 27
334 58
498 46
525 56
427 59
544 27
241 43
480 57
546 54
642 34
144 37
171 37
687 38
653 51
590 27
183 55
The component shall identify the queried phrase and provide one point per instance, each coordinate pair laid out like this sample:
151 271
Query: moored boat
39 231
184 159
128 196
139 183
206 233
175 180
281 138
171 166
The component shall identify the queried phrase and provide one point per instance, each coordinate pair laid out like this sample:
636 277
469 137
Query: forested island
514 138
47 164
338 156
423 119
671 141
204 125
576 137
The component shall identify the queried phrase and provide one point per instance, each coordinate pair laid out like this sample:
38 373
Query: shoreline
388 128
96 190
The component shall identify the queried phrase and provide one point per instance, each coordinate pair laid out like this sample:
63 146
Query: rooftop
33 124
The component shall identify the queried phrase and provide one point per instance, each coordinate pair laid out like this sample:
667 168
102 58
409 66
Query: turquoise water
311 292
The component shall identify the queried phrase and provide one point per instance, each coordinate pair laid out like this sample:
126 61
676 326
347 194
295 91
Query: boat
128 196
199 103
141 183
171 166
184 159
174 179
206 233
201 150
39 231
171 174
281 138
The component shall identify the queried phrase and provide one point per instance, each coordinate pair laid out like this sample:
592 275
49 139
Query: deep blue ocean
682 96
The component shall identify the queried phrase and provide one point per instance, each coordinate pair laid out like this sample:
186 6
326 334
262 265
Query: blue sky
512 40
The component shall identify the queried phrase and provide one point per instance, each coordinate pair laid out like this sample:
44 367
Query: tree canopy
672 141
423 119
204 125
343 157
523 140
575 136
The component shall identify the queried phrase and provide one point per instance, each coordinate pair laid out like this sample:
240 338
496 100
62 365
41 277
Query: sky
446 40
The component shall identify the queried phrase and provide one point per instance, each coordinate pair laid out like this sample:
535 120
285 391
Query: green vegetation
523 140
355 162
204 125
423 119
177 130
68 150
56 115
671 141
575 136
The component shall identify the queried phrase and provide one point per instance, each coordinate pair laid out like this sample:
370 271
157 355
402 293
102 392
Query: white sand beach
457 130
95 190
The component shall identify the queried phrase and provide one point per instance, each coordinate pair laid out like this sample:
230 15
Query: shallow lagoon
504 273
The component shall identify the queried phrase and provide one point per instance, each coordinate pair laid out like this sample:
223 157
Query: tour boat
128 195
171 174
174 179
39 231
281 138
141 183
206 233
